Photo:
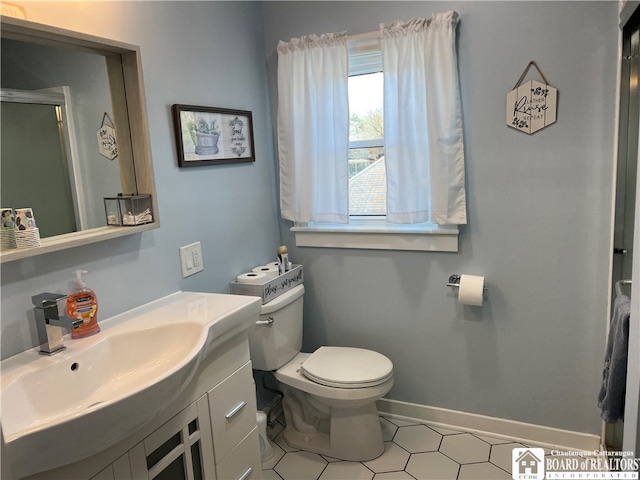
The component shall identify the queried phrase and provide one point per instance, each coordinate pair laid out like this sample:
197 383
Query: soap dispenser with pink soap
83 305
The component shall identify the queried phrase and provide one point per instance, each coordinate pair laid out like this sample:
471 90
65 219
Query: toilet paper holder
454 281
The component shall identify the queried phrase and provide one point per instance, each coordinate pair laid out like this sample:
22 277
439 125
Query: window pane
365 107
197 462
163 450
367 182
193 426
175 471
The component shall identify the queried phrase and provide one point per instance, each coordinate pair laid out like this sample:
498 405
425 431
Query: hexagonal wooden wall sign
107 142
107 145
531 106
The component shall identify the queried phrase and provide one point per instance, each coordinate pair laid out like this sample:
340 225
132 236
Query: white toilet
330 394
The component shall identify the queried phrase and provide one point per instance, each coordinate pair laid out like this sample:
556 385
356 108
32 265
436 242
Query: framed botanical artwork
212 136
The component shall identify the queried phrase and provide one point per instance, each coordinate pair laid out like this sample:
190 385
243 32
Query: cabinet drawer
232 405
243 462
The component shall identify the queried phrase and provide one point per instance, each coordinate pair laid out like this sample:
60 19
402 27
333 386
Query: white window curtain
424 151
313 128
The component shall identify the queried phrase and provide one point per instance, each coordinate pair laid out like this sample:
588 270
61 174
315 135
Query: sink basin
102 388
73 384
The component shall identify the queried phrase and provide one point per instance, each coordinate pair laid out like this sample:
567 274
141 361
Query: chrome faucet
49 322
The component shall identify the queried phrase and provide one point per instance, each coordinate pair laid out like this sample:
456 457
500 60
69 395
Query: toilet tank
274 343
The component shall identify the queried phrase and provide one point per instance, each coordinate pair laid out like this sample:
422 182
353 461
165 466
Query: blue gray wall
200 53
539 206
539 222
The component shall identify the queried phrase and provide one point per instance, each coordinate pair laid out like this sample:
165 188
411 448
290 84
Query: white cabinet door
179 450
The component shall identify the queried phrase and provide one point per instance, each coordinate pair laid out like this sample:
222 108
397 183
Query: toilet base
355 435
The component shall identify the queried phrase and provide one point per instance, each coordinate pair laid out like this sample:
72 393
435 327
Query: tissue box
272 288
128 210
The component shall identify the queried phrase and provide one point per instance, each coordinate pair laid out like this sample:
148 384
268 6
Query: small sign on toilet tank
272 288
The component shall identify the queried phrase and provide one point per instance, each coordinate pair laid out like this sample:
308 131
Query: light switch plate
191 259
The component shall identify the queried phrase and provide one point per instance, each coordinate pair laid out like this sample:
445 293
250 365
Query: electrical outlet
191 259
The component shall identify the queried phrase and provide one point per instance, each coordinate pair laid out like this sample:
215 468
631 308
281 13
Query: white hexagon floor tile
344 470
270 475
465 448
393 476
501 455
417 439
482 471
432 466
300 465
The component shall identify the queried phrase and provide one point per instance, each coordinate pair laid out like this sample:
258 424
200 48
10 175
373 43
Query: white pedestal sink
60 409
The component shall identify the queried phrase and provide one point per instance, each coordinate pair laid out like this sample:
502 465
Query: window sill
376 234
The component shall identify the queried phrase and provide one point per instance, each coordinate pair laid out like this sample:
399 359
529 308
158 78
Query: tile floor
413 450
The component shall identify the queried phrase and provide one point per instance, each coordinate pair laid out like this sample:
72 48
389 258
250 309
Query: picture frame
212 136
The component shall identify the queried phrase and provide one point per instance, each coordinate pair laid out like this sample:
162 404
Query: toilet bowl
339 421
330 394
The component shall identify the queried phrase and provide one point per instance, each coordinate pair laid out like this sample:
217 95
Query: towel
614 374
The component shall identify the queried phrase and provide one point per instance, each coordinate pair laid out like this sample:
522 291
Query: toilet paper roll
252 278
471 290
273 264
270 270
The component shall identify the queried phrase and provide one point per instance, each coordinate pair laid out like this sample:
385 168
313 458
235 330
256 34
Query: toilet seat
347 367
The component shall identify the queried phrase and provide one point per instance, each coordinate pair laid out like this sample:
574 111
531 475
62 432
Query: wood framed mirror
122 67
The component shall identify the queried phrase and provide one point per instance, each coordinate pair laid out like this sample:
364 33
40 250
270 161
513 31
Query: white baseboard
527 433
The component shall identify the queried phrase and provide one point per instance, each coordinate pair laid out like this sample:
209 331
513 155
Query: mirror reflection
50 116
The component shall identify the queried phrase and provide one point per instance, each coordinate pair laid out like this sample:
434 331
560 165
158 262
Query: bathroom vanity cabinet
209 432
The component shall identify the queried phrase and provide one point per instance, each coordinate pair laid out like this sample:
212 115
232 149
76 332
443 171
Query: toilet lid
347 367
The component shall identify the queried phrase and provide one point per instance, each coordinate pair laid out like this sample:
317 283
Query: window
416 154
367 173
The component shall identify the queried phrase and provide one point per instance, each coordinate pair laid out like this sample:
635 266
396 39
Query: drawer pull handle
246 474
235 410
